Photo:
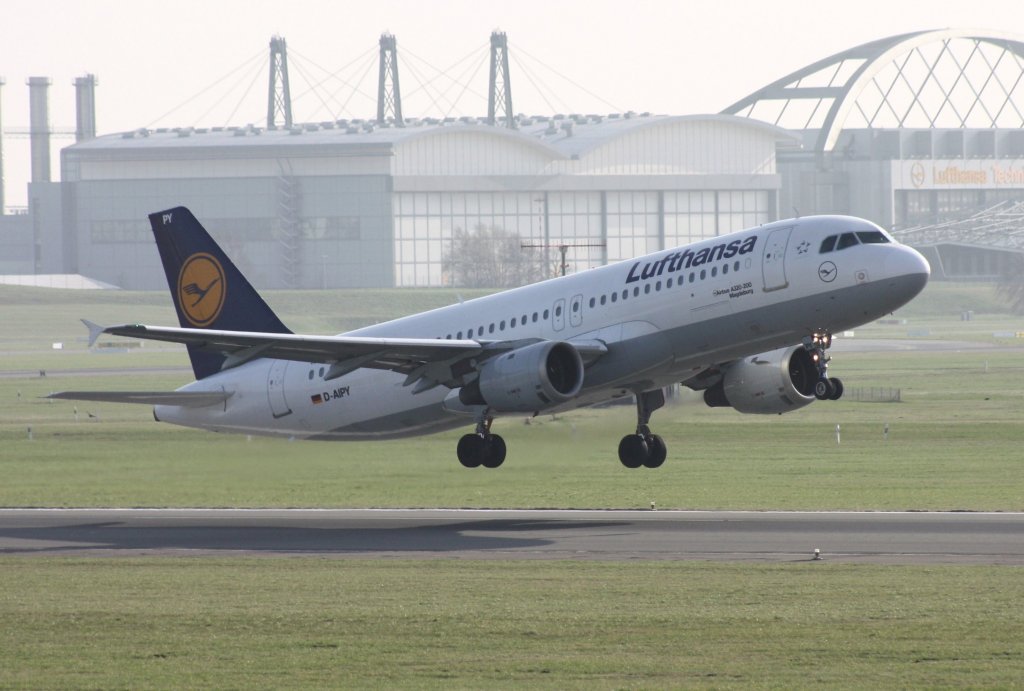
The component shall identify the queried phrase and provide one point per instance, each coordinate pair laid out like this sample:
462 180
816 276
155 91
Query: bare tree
490 257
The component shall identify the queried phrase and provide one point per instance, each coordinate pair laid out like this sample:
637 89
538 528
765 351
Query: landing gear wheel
633 451
656 451
481 448
837 389
494 447
471 450
644 448
823 390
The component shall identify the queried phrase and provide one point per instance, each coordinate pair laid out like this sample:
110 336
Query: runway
890 538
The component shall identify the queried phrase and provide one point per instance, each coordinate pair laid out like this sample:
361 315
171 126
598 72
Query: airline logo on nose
201 289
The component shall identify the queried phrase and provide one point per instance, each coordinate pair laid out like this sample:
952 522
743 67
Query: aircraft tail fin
208 290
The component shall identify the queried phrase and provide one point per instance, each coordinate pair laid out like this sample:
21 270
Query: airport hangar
922 132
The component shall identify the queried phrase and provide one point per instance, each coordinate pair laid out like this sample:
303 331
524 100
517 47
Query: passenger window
458 336
546 315
575 307
647 288
714 271
668 283
615 297
522 322
692 277
470 334
725 269
625 294
558 311
593 301
846 240
657 286
703 274
490 329
602 299
501 325
636 292
736 266
872 237
828 244
535 317
311 375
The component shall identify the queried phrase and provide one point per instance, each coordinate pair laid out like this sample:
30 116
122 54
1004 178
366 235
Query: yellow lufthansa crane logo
201 289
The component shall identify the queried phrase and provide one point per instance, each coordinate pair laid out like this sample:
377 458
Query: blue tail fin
209 291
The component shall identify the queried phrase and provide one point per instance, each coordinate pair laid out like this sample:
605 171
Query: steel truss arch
854 70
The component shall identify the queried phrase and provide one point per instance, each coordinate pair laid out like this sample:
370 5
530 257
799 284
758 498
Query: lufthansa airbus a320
746 318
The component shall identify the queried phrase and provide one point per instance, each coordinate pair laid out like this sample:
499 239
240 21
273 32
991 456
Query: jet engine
527 379
768 383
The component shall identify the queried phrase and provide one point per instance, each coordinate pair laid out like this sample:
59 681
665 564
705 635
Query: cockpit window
872 237
828 244
847 240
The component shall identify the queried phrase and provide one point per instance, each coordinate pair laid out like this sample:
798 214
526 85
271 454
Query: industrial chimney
85 108
3 208
39 127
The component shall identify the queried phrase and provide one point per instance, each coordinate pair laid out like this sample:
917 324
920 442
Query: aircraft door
275 389
576 310
774 261
558 315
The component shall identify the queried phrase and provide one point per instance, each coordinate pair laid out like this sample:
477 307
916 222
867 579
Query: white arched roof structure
945 78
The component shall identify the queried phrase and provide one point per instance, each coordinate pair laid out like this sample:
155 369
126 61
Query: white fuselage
663 318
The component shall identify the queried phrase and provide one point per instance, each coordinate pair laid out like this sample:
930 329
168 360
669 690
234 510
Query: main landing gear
826 388
482 448
643 448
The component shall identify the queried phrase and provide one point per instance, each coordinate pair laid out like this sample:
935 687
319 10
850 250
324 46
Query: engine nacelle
769 383
528 379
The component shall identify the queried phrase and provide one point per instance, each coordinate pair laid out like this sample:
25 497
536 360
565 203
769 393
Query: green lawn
305 622
954 440
953 443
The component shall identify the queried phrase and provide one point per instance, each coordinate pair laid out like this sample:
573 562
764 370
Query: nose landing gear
826 388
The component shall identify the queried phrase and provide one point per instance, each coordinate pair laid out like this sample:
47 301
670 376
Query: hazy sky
666 57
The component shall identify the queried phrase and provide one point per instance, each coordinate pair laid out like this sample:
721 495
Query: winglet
95 331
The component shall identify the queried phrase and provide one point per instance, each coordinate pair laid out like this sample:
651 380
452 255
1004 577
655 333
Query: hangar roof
559 136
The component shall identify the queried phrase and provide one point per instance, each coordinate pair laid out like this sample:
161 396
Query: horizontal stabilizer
185 399
95 331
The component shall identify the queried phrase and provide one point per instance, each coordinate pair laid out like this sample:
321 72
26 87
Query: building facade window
633 223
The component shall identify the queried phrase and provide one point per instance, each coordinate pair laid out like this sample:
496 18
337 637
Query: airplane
746 318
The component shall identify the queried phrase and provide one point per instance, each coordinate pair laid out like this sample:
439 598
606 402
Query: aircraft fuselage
663 318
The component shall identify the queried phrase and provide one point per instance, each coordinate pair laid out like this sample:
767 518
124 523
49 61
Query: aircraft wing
427 362
185 399
398 354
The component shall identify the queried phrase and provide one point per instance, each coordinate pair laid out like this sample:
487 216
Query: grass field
954 443
298 623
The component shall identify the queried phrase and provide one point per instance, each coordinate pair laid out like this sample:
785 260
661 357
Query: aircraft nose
908 268
909 262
